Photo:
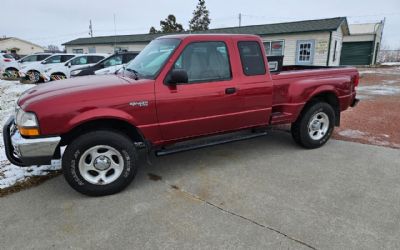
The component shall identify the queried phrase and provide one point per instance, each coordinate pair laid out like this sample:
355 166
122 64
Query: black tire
78 147
300 128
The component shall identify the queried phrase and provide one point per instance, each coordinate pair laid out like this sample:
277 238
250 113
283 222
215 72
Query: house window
305 52
274 48
121 49
77 51
92 50
334 51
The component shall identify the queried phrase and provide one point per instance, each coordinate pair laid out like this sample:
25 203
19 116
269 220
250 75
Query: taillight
356 80
7 60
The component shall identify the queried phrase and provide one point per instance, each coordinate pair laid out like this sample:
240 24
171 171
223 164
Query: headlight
47 70
27 123
75 72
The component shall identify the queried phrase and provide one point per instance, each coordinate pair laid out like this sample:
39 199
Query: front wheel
100 163
314 126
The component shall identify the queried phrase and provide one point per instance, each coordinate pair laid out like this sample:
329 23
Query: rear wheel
34 76
100 163
314 126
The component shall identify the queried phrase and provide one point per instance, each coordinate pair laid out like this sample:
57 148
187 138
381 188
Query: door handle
230 91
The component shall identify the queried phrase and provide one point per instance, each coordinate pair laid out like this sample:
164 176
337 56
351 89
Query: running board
183 148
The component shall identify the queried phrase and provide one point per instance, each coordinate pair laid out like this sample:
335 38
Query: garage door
356 53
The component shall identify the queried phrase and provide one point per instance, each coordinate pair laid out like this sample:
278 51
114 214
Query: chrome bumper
27 152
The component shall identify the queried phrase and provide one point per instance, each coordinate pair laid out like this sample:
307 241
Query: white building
362 46
311 42
19 46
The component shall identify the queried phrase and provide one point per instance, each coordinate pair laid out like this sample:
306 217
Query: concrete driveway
264 193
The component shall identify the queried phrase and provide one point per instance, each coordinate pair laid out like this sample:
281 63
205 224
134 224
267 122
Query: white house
19 46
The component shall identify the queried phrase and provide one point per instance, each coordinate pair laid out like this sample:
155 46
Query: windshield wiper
134 72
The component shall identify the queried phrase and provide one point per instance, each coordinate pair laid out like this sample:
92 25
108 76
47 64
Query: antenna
115 34
90 29
240 19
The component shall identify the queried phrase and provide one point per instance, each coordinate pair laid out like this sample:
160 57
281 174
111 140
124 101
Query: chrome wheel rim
101 165
318 126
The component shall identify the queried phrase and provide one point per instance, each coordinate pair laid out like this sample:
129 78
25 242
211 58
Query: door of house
305 52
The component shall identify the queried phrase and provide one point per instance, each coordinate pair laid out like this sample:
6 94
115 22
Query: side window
112 61
42 57
79 60
66 58
94 59
252 58
205 62
128 57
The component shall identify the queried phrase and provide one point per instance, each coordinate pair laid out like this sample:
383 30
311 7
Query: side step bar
183 148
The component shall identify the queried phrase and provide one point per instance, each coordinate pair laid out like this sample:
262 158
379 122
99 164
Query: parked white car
34 72
6 61
63 71
109 70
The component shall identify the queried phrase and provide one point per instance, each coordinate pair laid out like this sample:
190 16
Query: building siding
25 48
290 50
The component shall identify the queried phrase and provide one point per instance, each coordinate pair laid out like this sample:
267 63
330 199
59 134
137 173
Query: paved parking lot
265 193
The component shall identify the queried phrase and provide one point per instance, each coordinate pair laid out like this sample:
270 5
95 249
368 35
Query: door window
205 62
95 59
305 52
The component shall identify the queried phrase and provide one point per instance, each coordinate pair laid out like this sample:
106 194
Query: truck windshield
152 58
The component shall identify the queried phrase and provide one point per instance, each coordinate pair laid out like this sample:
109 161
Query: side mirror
177 76
69 65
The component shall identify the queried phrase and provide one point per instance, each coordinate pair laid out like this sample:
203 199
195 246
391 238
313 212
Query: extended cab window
252 58
205 62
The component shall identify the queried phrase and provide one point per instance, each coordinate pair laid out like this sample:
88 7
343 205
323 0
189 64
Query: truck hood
79 86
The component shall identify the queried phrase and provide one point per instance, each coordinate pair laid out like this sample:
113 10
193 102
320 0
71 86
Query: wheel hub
102 163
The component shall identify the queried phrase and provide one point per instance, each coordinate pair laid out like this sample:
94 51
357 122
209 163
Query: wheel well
12 68
104 124
58 73
331 99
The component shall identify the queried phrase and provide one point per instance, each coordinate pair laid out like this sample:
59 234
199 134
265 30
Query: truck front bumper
26 152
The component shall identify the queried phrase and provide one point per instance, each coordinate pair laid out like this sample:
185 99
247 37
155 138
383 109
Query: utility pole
240 19
115 34
90 29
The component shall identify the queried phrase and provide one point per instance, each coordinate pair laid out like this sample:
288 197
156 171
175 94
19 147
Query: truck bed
295 81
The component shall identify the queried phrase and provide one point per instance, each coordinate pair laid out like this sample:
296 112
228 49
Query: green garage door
356 53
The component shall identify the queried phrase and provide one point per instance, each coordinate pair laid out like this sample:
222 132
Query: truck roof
222 36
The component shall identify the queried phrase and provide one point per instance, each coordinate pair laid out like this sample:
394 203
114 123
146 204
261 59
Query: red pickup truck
180 87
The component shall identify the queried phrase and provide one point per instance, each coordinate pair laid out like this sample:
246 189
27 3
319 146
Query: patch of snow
10 174
391 63
354 134
379 140
378 90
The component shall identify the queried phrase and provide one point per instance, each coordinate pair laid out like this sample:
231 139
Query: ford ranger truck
180 87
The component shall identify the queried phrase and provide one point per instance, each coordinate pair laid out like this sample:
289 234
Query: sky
54 22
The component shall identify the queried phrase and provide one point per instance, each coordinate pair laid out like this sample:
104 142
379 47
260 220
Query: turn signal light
29 131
